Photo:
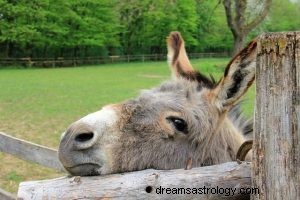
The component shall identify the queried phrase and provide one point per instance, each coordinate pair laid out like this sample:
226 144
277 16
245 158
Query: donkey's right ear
238 77
177 57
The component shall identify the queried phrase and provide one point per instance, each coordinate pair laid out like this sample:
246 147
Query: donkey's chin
86 169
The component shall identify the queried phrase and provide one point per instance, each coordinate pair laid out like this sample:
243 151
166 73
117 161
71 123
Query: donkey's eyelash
179 124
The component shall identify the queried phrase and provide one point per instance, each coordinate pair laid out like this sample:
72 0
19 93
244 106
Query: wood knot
76 179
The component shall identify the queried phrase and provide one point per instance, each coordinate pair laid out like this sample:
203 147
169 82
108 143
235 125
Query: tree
90 23
147 23
27 26
169 16
284 15
18 23
213 34
131 14
243 16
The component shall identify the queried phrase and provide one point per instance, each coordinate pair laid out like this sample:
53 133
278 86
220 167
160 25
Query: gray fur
141 135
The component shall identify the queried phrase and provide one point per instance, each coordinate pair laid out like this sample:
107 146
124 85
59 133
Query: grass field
38 104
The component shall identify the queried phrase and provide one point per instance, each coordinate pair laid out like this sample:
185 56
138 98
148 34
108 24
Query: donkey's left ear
238 77
177 57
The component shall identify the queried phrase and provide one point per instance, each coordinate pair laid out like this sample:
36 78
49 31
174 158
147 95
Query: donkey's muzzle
82 146
76 150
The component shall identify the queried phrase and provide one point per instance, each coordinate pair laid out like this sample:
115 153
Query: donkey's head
188 118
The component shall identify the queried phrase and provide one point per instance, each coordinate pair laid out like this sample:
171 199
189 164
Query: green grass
38 104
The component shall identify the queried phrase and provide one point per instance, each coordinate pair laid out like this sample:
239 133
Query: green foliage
284 16
163 17
14 176
14 23
213 34
91 23
67 28
58 24
147 23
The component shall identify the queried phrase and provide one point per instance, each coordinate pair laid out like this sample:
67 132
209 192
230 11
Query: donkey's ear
238 77
177 57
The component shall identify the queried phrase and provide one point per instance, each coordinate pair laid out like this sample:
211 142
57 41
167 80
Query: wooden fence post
276 149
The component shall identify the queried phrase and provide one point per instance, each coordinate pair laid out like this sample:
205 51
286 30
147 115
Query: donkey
191 117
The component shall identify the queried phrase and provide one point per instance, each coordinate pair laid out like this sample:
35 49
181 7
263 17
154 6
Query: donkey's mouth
86 169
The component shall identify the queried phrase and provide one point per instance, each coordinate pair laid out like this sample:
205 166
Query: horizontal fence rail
30 152
77 61
4 195
147 184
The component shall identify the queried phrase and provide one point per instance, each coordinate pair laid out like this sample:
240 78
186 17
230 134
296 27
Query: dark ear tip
253 44
174 39
175 34
250 47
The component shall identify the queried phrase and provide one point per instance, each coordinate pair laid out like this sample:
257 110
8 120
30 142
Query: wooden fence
65 62
275 169
30 152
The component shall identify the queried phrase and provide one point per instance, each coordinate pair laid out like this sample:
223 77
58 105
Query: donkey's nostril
84 137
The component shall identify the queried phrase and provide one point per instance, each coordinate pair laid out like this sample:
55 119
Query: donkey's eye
179 124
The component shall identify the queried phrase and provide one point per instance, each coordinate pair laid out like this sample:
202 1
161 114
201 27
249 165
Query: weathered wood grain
143 184
6 195
30 152
276 148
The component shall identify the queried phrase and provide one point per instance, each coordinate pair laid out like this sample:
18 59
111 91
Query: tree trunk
8 48
75 50
276 148
61 51
45 51
238 44
237 22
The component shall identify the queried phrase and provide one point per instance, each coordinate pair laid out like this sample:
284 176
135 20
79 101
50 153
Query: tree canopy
56 28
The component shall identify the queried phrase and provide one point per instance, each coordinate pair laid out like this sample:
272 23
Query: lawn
38 104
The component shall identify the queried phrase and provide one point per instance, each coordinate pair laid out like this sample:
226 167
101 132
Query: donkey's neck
223 145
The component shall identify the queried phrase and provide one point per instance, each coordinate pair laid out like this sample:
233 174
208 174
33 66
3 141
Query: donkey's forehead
178 86
173 94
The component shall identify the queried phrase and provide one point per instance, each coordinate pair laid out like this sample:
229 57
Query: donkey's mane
244 124
204 81
194 75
